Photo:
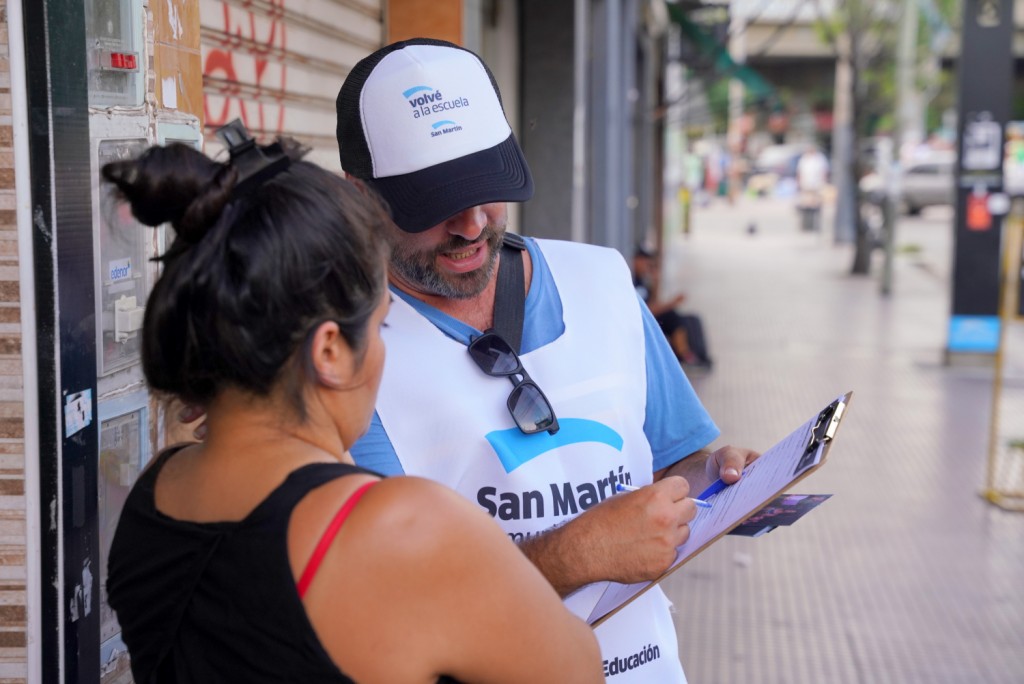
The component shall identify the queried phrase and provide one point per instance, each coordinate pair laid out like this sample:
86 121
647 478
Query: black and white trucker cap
421 122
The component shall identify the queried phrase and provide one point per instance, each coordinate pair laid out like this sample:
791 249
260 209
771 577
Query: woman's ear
333 359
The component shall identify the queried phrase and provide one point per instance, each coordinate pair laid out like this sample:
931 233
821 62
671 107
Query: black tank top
206 603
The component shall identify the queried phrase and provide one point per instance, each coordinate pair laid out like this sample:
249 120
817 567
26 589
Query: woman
231 562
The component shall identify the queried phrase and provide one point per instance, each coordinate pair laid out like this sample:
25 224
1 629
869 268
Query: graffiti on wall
245 78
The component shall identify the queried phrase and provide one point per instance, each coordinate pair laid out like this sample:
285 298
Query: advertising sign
983 113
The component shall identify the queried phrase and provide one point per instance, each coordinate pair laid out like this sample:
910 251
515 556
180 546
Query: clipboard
795 457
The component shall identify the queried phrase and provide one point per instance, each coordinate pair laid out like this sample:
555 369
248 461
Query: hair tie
255 164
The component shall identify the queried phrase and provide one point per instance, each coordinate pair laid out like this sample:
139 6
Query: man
421 123
685 332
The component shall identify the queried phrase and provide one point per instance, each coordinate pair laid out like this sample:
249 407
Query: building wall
13 610
177 60
278 66
549 98
441 19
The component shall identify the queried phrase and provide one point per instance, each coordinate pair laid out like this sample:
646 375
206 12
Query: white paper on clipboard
777 469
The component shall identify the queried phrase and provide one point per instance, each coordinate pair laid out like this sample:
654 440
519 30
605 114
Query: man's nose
468 223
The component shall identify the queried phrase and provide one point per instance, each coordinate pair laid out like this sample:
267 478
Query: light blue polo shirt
676 423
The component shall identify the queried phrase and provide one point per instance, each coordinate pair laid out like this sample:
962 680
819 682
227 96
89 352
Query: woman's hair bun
268 248
175 183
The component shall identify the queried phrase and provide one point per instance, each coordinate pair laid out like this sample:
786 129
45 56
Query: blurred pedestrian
693 176
811 179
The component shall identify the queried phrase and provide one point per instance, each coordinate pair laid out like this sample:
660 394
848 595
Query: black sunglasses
529 407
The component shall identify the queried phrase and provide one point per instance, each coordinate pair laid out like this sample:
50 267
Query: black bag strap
510 292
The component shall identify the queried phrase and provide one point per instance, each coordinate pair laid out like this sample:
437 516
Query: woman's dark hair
250 276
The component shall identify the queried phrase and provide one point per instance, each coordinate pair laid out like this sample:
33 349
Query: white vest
448 421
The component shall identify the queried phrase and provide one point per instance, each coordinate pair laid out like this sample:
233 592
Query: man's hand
704 467
728 463
628 537
660 306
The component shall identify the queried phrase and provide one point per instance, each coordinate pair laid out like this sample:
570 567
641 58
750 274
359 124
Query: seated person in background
685 332
263 554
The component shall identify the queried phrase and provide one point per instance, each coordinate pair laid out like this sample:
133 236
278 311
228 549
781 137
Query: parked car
927 181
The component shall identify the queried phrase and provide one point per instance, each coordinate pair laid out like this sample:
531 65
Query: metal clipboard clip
828 420
822 432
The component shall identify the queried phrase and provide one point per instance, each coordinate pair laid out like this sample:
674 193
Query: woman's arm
419 583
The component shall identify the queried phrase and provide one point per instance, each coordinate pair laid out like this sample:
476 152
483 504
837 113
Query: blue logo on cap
429 95
426 101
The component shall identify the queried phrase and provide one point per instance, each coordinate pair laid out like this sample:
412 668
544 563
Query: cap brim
424 199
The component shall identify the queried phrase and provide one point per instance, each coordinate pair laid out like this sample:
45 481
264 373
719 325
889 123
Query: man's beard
419 268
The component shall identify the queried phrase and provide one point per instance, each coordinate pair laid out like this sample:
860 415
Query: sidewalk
905 575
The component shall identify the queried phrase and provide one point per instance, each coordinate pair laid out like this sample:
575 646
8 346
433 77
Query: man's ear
360 184
333 359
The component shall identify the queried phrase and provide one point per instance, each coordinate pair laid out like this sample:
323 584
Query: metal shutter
278 64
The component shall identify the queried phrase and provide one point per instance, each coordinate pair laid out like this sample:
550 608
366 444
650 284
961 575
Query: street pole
907 123
737 92
842 145
909 120
1002 480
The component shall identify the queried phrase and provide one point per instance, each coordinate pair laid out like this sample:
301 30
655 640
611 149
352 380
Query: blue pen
716 486
630 488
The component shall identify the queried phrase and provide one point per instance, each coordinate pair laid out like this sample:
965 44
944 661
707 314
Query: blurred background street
906 574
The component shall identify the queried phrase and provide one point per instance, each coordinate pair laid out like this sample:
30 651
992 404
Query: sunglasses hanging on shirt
496 351
529 407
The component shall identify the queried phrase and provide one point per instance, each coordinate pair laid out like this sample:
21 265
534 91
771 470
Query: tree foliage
863 35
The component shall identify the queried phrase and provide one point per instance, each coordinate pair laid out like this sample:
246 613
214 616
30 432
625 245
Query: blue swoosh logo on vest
514 448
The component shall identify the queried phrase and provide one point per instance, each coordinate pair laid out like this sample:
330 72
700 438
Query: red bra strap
328 536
